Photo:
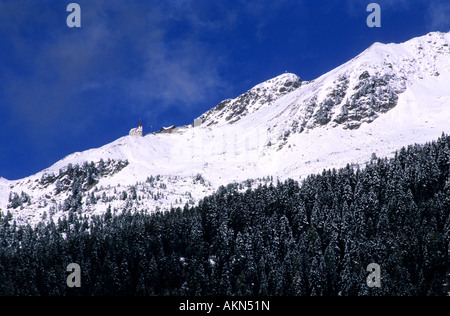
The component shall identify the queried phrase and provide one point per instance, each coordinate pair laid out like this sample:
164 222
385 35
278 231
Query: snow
4 191
259 97
261 142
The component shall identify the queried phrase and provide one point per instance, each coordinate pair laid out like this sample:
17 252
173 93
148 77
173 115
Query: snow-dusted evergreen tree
311 238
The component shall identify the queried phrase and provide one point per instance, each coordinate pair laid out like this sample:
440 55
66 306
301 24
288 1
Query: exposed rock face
232 110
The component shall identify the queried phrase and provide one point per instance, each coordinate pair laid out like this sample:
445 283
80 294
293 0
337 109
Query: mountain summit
389 96
263 95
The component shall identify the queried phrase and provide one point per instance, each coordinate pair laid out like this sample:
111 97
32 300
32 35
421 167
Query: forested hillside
310 238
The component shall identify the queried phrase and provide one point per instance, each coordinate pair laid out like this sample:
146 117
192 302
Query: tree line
283 239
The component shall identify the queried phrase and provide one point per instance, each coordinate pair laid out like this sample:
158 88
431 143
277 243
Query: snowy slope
389 96
261 96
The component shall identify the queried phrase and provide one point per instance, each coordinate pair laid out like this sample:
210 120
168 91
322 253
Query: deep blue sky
64 90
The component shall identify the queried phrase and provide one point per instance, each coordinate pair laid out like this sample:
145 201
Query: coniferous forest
311 238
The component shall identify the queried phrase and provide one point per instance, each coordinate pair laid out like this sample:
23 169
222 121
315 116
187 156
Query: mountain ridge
261 95
389 96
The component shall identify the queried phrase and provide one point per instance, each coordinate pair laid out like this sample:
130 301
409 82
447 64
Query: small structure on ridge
168 130
137 131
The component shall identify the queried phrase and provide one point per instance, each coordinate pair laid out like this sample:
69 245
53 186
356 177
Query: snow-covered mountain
389 96
261 96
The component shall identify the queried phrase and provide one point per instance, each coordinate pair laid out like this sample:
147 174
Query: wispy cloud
147 52
179 68
438 15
